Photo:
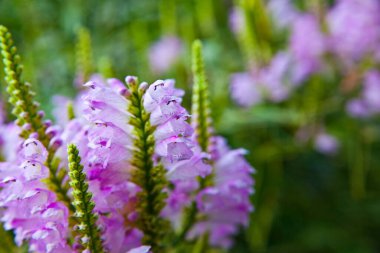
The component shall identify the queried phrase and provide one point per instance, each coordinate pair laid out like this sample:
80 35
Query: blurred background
296 83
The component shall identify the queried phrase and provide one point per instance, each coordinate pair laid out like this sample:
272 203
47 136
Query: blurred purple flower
283 12
246 89
141 249
276 78
307 45
357 108
273 82
236 20
371 90
326 143
164 53
60 109
369 102
354 26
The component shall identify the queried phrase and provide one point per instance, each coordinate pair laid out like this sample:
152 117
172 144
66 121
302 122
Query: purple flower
164 53
108 158
174 146
225 205
60 109
105 140
107 164
277 77
283 12
354 26
371 90
31 209
246 89
179 154
326 143
236 20
369 102
10 141
141 249
357 108
273 82
307 45
178 198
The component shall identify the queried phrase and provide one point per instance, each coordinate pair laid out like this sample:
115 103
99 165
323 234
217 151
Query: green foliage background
304 201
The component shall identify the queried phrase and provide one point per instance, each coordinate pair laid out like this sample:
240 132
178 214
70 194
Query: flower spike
204 131
29 117
86 218
83 56
147 175
201 110
20 94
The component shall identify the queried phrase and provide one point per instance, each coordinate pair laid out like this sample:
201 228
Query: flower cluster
31 209
168 48
119 173
307 55
368 103
226 203
322 43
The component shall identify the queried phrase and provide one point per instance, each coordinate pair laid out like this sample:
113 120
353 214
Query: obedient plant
126 172
328 48
222 200
328 55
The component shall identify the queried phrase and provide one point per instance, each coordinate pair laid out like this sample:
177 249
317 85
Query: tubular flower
222 201
363 35
168 48
107 163
135 166
31 209
307 50
368 104
225 205
180 155
175 147
110 148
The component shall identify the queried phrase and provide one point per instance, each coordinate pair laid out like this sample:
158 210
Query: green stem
357 179
201 245
263 218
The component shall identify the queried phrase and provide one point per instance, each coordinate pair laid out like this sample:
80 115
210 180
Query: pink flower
178 152
236 20
246 88
109 152
31 209
326 143
283 12
164 53
354 36
107 163
369 103
141 249
225 205
307 50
